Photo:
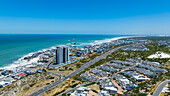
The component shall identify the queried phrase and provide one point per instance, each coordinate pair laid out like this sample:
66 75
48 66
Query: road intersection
86 65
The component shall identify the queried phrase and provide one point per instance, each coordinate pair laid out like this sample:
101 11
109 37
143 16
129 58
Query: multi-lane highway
75 72
160 88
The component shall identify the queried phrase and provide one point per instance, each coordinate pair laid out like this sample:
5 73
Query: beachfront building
3 83
62 55
65 54
59 55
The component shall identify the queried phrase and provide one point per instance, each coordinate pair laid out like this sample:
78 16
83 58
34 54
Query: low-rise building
44 58
18 75
81 91
139 47
114 65
106 68
144 72
99 72
139 78
4 83
153 69
88 77
107 85
151 63
135 76
104 93
124 82
122 62
7 72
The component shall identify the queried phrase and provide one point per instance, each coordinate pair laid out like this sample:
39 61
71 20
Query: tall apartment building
65 54
62 55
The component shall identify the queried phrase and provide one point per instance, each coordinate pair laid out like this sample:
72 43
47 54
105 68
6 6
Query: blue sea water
15 46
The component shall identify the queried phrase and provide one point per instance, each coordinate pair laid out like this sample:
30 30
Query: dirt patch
66 85
120 90
91 93
95 87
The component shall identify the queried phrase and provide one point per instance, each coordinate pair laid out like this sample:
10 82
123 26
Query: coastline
21 62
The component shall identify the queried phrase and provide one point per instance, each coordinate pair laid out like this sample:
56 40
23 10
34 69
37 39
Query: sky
124 17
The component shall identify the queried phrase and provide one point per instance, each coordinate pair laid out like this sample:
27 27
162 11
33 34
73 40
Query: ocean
15 46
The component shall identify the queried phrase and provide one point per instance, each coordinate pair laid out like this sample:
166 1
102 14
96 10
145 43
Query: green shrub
59 93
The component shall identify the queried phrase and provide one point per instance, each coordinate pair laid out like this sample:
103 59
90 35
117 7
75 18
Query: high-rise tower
59 55
65 54
62 55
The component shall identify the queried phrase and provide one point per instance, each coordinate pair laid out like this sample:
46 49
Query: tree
64 94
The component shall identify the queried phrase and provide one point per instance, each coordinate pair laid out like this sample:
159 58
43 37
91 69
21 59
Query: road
55 74
160 88
69 90
86 65
44 68
48 63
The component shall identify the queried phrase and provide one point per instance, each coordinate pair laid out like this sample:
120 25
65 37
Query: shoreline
21 62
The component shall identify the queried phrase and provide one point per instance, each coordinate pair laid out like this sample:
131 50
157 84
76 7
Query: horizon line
80 34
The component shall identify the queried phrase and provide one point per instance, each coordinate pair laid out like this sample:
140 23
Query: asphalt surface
69 91
48 63
75 72
160 88
55 74
43 68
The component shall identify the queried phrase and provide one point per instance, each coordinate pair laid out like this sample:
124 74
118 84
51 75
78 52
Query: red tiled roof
22 74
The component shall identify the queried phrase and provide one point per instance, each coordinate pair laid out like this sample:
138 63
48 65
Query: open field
28 84
66 85
95 87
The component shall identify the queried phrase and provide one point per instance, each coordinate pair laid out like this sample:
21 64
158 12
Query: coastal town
115 67
84 47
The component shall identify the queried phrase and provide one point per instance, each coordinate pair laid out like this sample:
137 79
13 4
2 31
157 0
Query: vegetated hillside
23 86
